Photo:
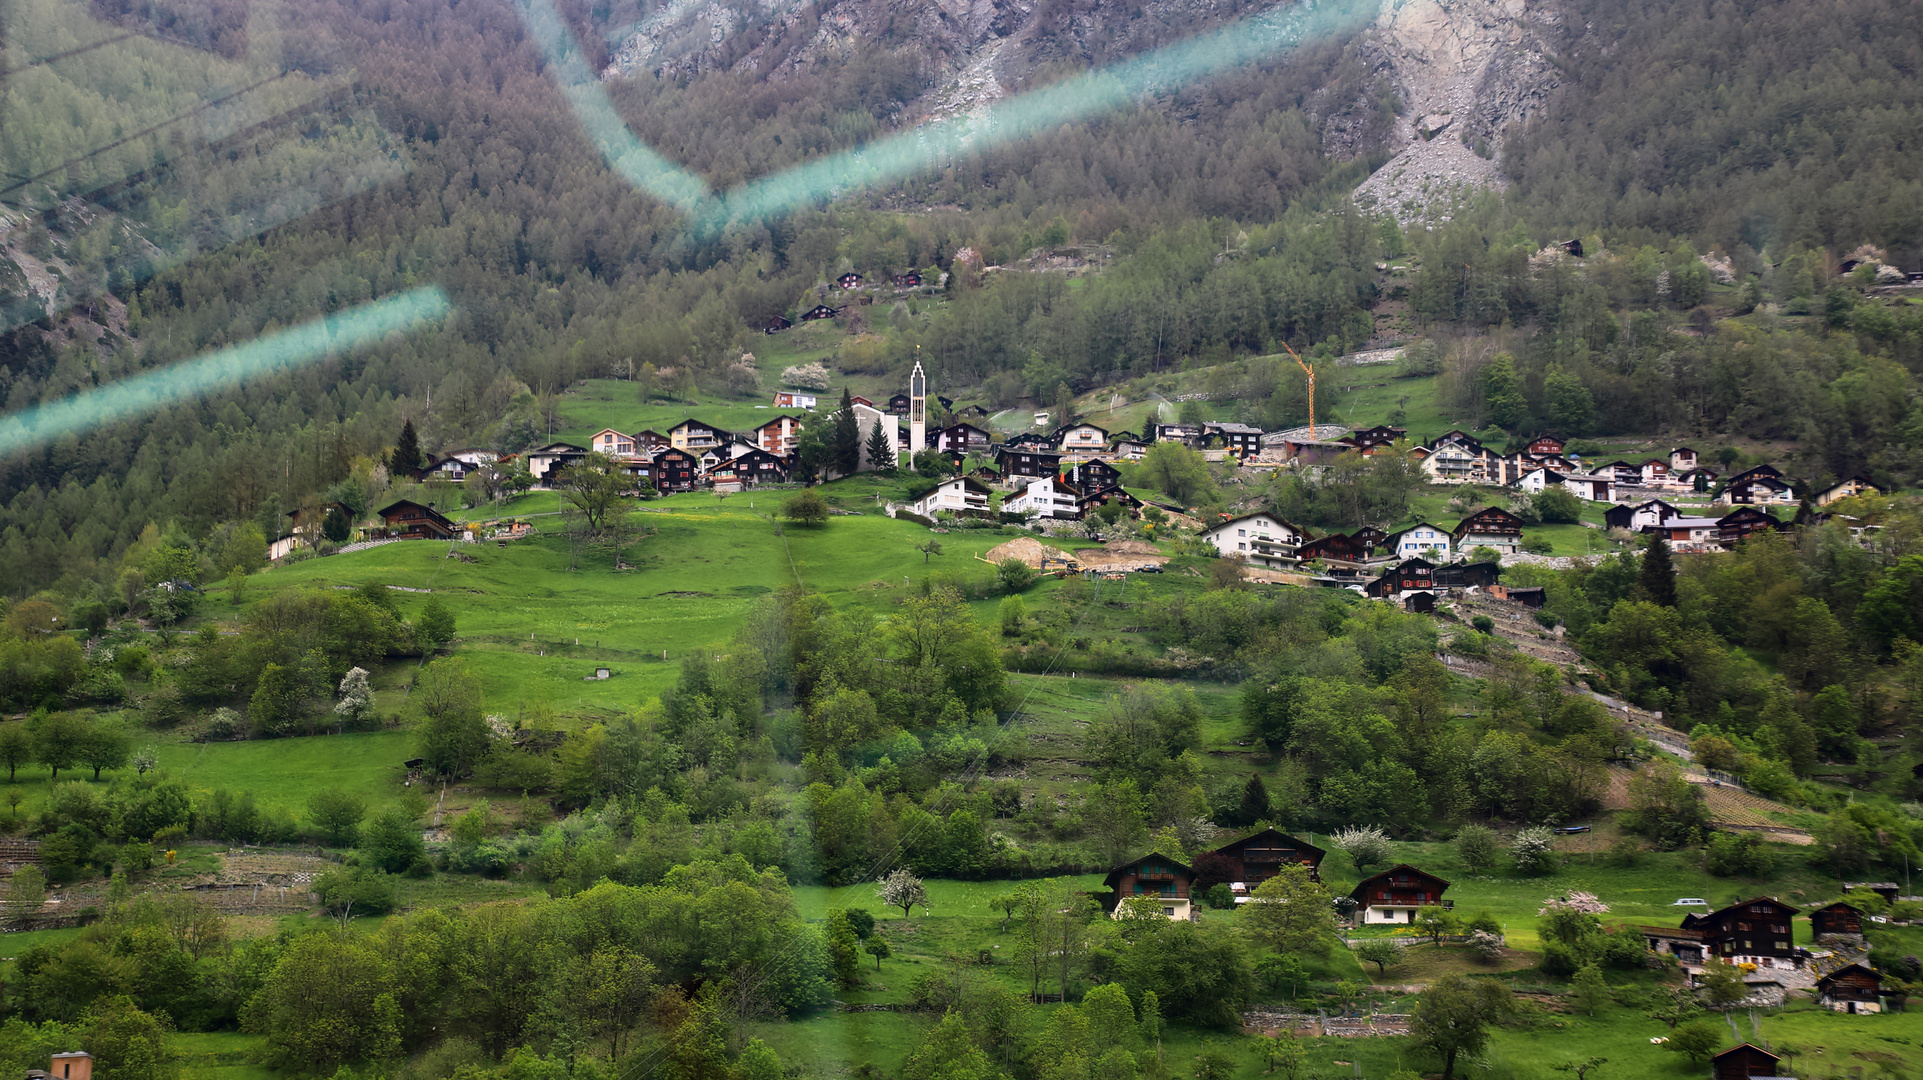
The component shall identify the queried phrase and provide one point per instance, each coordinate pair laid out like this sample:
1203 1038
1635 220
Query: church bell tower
917 412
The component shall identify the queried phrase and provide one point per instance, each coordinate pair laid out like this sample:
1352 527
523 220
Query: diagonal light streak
625 154
1249 40
274 354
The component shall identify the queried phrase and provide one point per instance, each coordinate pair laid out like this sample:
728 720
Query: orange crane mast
1310 372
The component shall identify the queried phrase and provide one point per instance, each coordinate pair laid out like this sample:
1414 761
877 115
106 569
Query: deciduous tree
1454 1015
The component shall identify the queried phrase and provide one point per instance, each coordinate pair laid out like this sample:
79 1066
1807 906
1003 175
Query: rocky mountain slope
1464 71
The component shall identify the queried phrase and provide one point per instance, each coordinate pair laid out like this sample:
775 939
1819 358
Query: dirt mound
1131 547
1028 549
1110 559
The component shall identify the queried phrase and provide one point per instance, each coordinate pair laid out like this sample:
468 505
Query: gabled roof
1116 874
1861 968
1273 834
1399 868
1259 513
1419 525
1692 921
559 448
401 504
1748 1051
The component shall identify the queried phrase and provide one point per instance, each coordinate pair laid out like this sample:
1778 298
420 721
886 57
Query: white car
1691 901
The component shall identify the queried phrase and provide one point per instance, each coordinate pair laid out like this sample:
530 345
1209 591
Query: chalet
639 469
1591 487
1369 538
777 324
1153 875
1242 440
1048 497
1448 463
1762 484
960 496
1623 471
1854 486
819 312
1852 989
1336 547
1190 434
1888 890
1531 596
977 411
1016 461
789 399
1684 533
1744 1062
859 400
1491 527
694 435
1634 518
849 281
1545 444
1753 931
1459 437
408 520
1742 522
1262 539
1681 460
910 280
898 405
1094 477
961 439
1836 920
612 443
779 436
1655 472
1408 576
546 463
1082 438
451 470
727 451
474 455
676 470
1368 439
1696 479
758 467
304 525
1255 859
1421 540
726 478
1031 439
1522 463
1396 894
1465 575
1092 500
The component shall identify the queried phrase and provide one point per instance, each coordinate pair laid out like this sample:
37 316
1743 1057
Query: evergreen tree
1502 395
846 447
407 450
1255 801
881 450
1658 578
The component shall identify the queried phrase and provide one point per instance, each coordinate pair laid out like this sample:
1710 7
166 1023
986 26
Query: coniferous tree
1255 801
1658 578
847 443
407 450
881 450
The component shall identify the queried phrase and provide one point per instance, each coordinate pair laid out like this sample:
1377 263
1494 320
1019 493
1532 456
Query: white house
789 399
1048 497
612 443
957 496
1424 541
1261 539
1595 487
1449 463
1082 438
1855 485
1682 459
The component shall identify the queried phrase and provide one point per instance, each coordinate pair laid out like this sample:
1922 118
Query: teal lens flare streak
274 354
890 159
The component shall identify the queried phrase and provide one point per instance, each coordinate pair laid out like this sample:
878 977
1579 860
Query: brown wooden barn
1837 918
1743 1062
1853 989
1255 859
1154 875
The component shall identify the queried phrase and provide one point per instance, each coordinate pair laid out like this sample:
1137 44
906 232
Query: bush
355 890
1536 545
1477 846
1484 624
1221 897
1015 575
806 508
1534 850
1738 855
910 515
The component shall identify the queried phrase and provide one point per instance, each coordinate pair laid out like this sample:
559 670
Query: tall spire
917 412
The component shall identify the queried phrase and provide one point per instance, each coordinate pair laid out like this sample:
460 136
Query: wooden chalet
1742 522
1027 461
612 443
1242 440
1634 518
1491 527
1032 439
1754 931
409 520
1744 1062
449 469
1655 471
1623 471
780 436
849 280
1255 859
1368 439
910 280
1335 547
897 405
1189 434
1396 894
307 520
1369 538
1082 438
692 434
676 470
777 324
961 439
547 463
1153 875
1696 479
1463 575
1094 477
758 467
819 312
1852 989
1411 577
1531 596
1762 484
1838 919
1545 444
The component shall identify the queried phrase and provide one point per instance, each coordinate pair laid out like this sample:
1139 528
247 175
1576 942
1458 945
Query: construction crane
1310 372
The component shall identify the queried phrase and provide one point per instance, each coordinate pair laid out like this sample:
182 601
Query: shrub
1536 545
1478 846
806 508
1484 623
1221 897
355 890
1738 855
910 515
1534 850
